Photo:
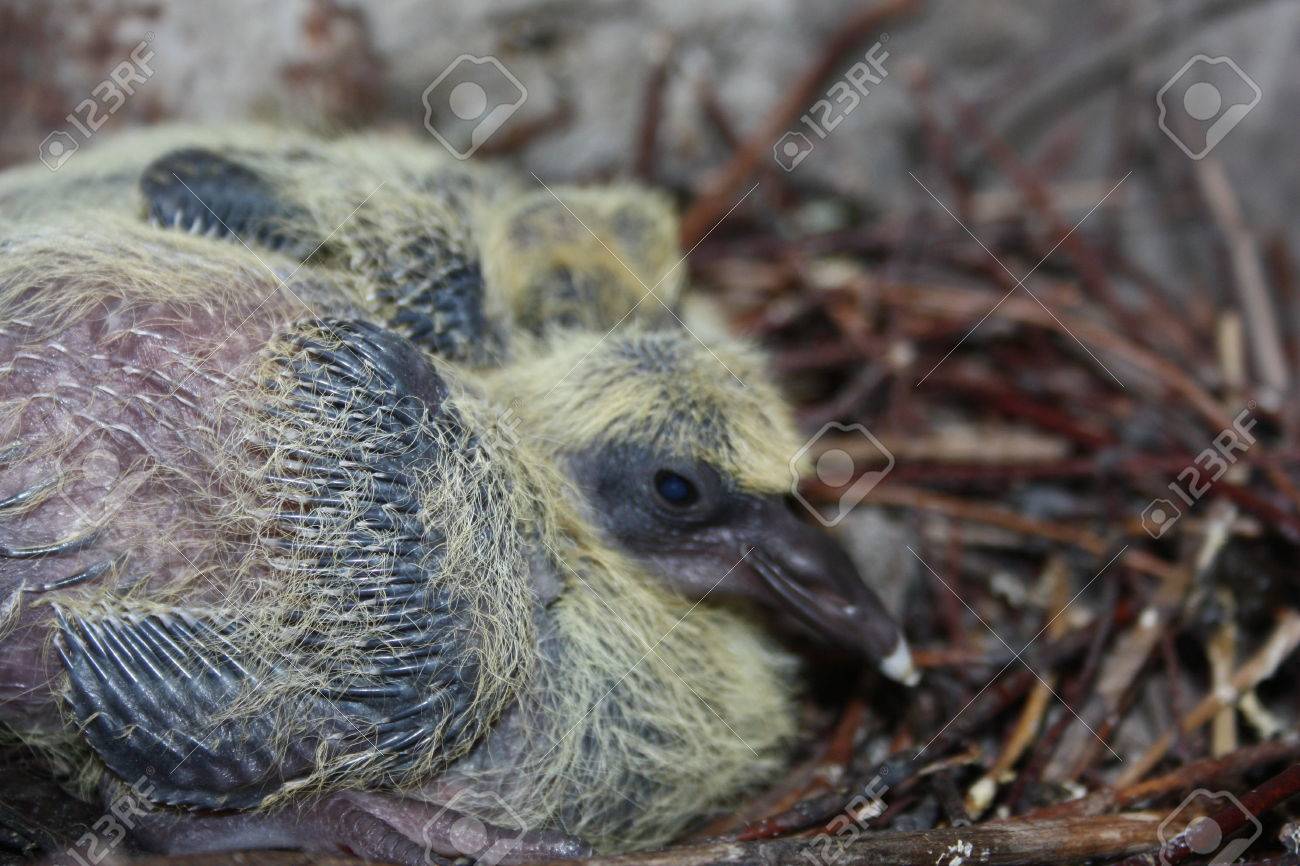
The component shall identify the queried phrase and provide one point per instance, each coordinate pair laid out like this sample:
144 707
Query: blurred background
709 72
1030 265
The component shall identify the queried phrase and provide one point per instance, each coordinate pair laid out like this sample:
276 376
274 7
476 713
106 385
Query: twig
1222 652
1229 819
1038 196
1069 85
516 136
1197 774
1070 840
1248 276
981 794
721 191
647 136
1279 646
1118 675
1076 695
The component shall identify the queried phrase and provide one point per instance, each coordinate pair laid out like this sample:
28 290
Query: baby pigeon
309 582
446 253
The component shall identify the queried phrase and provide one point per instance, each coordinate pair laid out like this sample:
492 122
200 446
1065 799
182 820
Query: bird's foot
445 832
371 826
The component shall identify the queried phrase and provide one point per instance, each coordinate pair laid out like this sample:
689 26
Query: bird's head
584 258
684 455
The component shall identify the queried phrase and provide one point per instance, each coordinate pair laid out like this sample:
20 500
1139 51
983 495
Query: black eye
674 489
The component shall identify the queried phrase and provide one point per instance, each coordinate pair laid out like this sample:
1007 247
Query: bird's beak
801 572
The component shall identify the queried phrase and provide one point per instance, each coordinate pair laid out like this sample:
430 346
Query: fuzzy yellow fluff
619 712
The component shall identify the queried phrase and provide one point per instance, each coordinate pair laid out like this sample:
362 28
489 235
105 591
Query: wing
449 260
366 660
406 233
152 692
205 193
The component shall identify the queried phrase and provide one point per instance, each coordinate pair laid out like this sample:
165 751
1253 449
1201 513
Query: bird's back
247 505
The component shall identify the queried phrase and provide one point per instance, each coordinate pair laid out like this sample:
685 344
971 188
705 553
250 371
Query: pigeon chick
309 585
451 255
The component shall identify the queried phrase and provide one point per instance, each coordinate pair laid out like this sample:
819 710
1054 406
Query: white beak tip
898 665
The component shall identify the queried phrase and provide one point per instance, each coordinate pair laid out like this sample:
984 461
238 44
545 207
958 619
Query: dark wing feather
424 279
206 193
153 691
153 694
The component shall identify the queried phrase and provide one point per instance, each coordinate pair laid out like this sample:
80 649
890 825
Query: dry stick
1248 275
897 494
647 135
1047 416
1078 694
1279 646
949 304
949 796
517 136
1157 295
717 116
1119 673
1061 841
1167 373
1221 651
1231 818
1067 86
1256 300
1183 748
1205 771
901 768
939 143
980 795
1197 774
1118 681
721 191
1282 274
246 858
894 493
1038 196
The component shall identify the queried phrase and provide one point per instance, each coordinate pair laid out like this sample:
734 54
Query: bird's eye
675 489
